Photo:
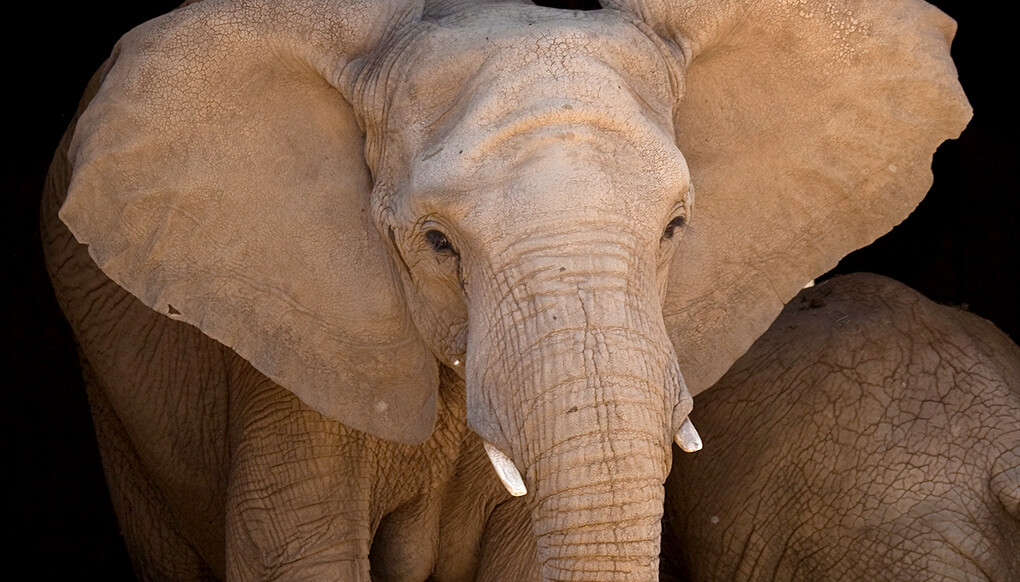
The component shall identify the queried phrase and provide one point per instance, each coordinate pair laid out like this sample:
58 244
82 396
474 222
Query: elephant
870 434
327 259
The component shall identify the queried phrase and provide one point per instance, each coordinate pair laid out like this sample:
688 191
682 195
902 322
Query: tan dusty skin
871 434
413 228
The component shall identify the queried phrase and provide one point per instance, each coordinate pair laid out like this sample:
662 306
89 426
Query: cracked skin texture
870 434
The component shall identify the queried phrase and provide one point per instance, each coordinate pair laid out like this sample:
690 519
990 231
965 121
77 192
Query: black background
959 247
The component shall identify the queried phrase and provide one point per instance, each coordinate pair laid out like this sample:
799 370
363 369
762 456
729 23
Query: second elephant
869 435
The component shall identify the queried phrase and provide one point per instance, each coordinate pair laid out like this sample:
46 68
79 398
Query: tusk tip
687 438
506 471
522 491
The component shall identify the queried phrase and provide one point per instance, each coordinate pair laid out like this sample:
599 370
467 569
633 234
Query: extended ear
809 129
219 177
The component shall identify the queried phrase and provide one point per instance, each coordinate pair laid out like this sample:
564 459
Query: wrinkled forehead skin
502 95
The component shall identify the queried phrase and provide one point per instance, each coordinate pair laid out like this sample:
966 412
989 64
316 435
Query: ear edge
896 175
307 375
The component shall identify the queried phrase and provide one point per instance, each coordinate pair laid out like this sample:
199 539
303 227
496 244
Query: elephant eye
671 228
438 241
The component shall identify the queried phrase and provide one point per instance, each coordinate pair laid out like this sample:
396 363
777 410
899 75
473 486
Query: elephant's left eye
673 226
439 242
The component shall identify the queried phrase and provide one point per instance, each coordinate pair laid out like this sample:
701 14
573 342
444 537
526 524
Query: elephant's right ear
219 177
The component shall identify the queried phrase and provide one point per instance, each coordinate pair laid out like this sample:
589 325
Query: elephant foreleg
299 501
158 549
508 548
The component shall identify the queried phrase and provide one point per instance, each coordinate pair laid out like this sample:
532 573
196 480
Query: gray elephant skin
870 434
326 259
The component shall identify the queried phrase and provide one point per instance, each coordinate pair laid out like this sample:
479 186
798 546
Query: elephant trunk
576 381
598 520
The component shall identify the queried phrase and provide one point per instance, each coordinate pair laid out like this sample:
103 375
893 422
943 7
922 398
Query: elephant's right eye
673 226
439 242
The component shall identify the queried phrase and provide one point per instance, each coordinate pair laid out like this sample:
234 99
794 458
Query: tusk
688 438
506 470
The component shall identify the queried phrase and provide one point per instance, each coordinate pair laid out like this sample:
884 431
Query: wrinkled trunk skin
599 520
577 383
596 462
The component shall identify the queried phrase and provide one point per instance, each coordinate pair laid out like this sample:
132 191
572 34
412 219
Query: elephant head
352 194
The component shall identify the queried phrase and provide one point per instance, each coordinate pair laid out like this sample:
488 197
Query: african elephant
870 434
329 256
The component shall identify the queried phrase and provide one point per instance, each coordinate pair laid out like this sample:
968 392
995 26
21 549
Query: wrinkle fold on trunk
571 375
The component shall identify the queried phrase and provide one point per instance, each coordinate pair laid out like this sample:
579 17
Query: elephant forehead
484 86
517 45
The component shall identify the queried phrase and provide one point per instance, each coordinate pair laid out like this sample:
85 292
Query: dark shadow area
58 510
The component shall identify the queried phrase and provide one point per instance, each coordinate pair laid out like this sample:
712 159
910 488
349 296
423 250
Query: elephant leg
405 543
311 499
508 547
299 496
158 549
435 497
468 503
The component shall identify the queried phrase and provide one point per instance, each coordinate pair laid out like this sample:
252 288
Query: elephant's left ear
809 129
219 176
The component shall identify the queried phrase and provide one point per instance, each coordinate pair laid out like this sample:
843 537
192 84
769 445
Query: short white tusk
506 470
688 438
